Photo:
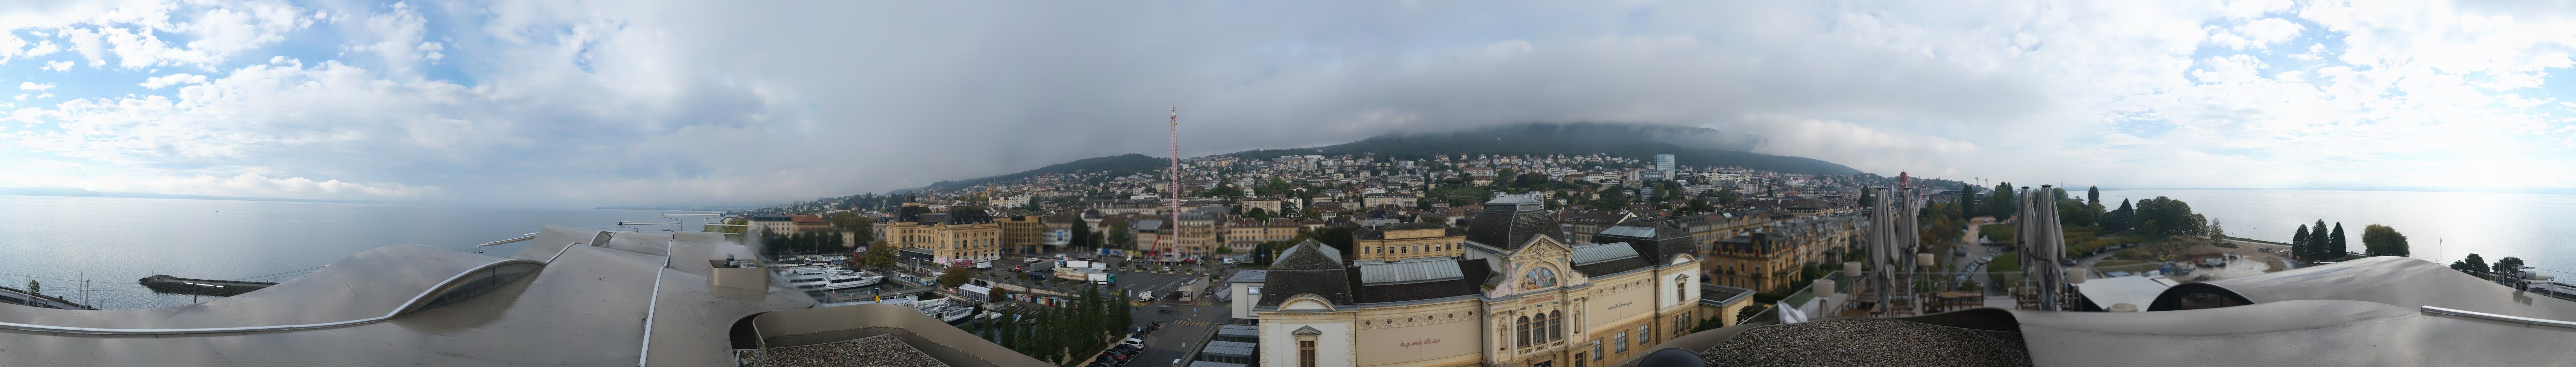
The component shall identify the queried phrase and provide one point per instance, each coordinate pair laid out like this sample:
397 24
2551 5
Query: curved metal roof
2399 281
591 306
2286 333
371 284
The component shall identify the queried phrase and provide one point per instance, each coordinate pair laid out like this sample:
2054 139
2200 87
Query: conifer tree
2299 242
2317 242
2335 240
1967 201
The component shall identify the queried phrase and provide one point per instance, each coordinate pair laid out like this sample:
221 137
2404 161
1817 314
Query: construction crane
1174 203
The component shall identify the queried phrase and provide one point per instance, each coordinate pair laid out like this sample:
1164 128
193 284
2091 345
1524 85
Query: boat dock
210 287
22 297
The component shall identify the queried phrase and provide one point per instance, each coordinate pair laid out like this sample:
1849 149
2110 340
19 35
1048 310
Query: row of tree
2318 243
2478 266
1062 334
801 242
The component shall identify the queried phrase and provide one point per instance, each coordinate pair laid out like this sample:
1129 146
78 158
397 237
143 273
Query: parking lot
1183 330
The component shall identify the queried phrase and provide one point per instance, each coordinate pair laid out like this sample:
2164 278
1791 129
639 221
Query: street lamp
193 291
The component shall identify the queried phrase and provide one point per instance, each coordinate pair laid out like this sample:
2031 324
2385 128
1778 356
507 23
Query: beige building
1242 235
1407 240
1270 205
1021 232
1518 296
1199 235
962 233
1770 257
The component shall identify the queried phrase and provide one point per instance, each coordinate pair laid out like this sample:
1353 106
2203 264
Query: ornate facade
1518 295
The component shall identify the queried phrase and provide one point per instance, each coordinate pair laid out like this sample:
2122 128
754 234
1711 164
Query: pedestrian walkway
1190 323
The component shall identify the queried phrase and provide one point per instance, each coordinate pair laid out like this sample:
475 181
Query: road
1185 329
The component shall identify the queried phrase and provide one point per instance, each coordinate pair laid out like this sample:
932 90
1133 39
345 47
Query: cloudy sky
573 103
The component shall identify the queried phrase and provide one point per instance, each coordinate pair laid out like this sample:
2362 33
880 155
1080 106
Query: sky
652 102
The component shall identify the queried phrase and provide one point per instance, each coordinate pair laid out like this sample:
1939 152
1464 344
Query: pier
24 298
171 284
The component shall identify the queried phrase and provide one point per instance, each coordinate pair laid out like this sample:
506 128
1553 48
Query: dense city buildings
963 233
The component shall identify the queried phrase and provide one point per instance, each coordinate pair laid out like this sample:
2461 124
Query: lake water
2439 226
116 241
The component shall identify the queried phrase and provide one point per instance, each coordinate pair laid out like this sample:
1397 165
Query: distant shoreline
2540 191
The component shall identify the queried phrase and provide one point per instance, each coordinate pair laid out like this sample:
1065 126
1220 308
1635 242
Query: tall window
1596 349
1523 331
1305 353
1681 288
1622 342
1645 333
1555 325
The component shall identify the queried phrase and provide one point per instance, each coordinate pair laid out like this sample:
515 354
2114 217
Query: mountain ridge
1693 146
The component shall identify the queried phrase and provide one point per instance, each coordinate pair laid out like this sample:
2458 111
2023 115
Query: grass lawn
2255 240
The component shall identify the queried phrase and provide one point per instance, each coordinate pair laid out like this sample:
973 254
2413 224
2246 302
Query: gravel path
1868 342
876 351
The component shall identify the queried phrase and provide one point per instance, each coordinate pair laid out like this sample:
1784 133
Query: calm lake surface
116 241
2439 226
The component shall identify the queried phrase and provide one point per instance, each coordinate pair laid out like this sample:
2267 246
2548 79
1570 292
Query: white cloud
172 79
565 103
397 36
34 86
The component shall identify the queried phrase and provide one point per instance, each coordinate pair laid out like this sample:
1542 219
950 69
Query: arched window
1681 288
1555 325
1522 331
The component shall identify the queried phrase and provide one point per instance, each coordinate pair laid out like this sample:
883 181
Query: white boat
954 315
849 279
807 277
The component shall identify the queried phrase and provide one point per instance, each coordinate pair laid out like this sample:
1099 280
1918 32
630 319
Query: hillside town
1232 208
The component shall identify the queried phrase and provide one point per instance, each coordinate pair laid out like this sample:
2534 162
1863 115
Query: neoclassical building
962 233
1517 296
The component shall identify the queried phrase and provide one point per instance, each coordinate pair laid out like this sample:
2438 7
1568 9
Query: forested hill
1690 146
1117 165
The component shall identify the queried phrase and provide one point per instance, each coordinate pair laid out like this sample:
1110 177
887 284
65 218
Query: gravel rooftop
875 351
1868 342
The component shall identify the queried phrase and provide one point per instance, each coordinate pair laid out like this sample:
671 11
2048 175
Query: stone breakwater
1868 342
875 351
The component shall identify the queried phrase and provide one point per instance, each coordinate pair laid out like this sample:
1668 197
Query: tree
2318 242
2382 240
1712 323
955 275
1698 205
2001 205
1082 234
2334 240
2473 265
1967 200
35 287
1121 237
2506 264
2299 242
879 255
2094 193
864 228
1866 199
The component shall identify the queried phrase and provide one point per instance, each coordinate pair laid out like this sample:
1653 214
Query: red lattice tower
1174 205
